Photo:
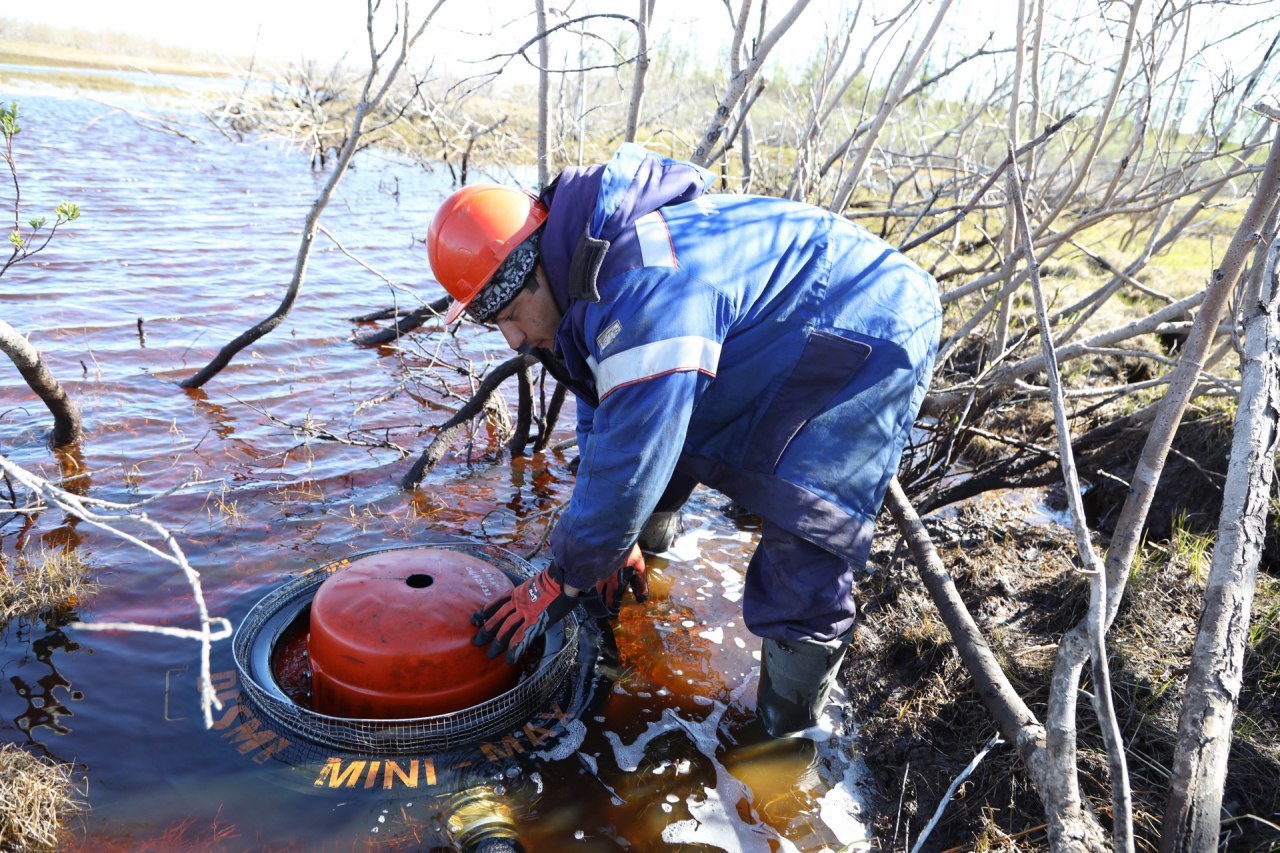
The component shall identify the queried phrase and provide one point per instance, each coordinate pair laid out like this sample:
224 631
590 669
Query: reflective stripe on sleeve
656 249
657 359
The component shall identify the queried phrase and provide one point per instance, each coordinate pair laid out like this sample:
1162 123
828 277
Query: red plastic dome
391 636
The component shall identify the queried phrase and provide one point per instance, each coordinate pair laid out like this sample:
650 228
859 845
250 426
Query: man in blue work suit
766 348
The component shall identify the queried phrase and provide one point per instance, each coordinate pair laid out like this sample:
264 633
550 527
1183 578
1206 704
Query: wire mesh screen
267 620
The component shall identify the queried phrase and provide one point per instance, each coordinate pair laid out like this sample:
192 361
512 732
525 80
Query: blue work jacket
764 347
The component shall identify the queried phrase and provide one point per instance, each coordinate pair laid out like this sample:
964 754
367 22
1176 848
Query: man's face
531 319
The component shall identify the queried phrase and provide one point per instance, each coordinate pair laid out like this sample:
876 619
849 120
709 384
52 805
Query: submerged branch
406 323
473 407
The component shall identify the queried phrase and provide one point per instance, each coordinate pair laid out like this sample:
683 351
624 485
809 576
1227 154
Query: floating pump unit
372 655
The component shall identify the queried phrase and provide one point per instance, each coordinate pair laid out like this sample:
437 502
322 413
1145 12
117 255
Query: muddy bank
922 722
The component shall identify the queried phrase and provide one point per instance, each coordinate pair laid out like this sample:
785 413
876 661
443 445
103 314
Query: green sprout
9 119
24 246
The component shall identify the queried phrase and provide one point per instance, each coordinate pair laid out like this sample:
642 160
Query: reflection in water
45 708
74 478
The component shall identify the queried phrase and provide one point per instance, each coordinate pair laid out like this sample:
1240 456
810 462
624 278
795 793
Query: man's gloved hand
515 620
633 575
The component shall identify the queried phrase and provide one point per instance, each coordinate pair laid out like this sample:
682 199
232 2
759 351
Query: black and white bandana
507 281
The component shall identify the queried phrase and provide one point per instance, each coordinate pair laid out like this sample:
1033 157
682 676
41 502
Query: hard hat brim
455 311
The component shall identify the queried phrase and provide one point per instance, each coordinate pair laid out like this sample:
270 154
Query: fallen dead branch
951 790
406 322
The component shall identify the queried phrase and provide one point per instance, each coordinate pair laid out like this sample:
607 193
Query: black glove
633 575
515 620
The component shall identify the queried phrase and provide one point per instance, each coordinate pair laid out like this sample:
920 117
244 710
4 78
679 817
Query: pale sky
294 29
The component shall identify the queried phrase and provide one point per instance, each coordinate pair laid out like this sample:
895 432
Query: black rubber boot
660 531
795 682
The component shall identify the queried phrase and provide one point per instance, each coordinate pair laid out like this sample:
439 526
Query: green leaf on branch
16 239
68 211
37 223
9 119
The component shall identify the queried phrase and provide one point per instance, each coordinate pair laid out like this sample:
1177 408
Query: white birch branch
104 515
1121 796
951 790
1193 820
741 80
886 108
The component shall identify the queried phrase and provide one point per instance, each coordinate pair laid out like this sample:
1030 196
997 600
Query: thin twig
1121 796
955 785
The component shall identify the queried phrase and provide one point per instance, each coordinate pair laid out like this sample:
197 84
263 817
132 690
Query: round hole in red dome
379 653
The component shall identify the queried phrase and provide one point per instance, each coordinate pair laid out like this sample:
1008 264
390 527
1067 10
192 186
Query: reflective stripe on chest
655 359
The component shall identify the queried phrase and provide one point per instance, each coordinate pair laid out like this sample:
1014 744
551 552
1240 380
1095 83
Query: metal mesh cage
267 620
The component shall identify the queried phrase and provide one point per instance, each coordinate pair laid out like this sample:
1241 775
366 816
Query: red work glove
515 620
633 575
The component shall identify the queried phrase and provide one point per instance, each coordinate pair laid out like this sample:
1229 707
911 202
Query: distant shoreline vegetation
62 50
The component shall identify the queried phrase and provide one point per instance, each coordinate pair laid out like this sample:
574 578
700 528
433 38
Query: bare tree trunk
645 14
1075 649
66 417
1037 43
544 93
1064 807
1124 543
550 418
1192 820
524 413
742 79
1003 316
368 102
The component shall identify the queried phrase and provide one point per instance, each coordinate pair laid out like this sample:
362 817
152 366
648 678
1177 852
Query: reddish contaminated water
181 246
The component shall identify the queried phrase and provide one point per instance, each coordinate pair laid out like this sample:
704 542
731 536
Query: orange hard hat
473 232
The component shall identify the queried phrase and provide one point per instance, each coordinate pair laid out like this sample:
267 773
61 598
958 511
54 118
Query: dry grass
36 797
48 582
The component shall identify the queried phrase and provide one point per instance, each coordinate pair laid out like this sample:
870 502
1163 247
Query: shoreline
68 60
